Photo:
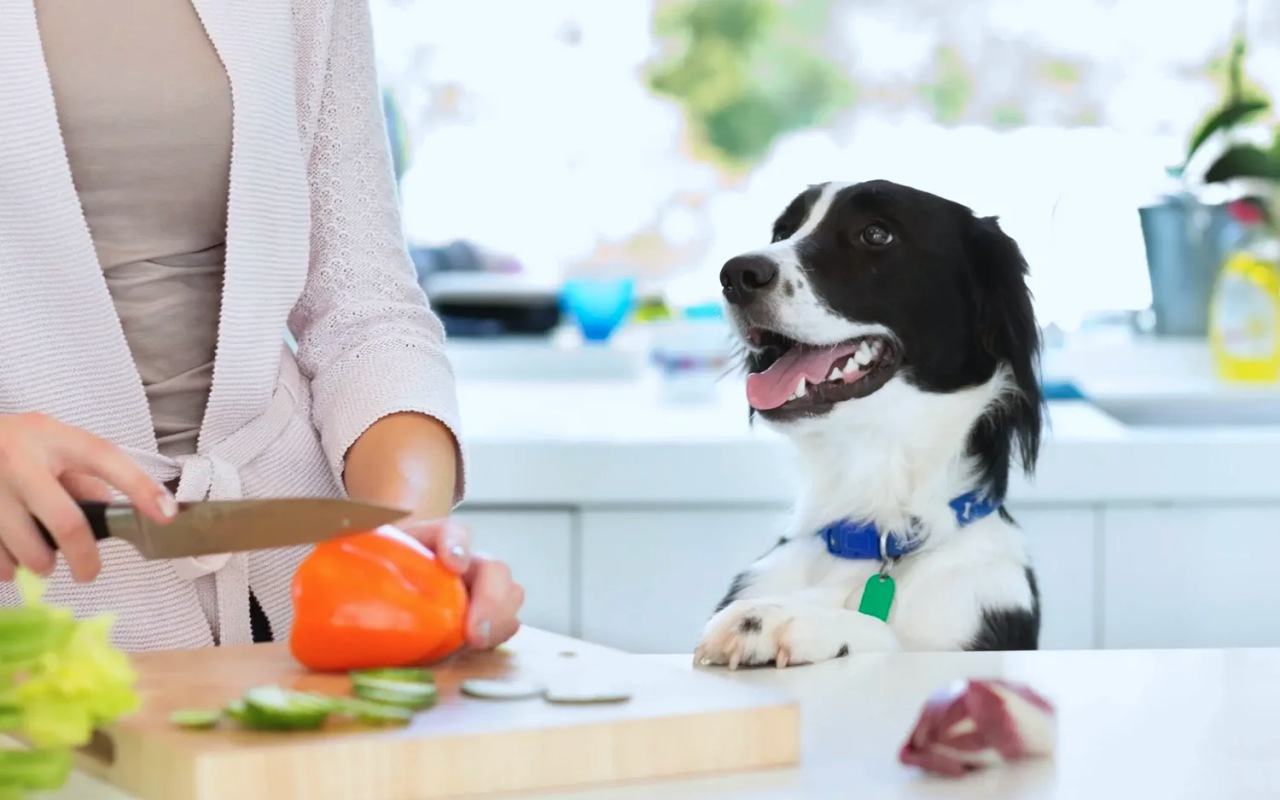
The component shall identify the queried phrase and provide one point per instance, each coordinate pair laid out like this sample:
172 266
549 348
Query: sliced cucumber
394 674
500 689
196 718
276 709
378 700
375 713
235 710
416 696
395 687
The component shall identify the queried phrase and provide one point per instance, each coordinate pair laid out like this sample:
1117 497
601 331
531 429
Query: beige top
145 110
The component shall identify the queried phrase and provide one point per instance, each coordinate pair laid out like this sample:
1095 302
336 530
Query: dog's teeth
851 365
835 375
863 356
800 390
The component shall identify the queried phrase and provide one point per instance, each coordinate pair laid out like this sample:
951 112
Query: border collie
889 333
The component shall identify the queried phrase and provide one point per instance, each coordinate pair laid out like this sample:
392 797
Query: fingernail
168 505
458 552
482 632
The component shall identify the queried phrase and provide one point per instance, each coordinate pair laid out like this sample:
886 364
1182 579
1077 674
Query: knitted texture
314 246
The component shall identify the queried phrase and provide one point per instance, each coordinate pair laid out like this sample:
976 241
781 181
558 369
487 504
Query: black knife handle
94 512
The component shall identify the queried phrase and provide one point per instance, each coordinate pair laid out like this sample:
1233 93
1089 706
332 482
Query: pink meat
979 723
774 386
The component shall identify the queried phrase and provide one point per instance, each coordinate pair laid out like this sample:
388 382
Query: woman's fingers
8 564
494 598
86 487
85 453
495 602
48 501
20 537
44 466
449 540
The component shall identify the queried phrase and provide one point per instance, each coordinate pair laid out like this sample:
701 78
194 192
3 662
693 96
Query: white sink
1246 410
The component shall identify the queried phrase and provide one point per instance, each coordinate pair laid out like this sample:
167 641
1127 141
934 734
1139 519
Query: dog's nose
744 276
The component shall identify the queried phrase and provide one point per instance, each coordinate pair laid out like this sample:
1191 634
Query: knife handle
94 512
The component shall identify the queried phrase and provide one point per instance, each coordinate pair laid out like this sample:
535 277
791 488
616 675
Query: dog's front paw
756 632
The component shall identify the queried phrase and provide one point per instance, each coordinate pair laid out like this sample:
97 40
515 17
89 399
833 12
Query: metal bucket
1186 243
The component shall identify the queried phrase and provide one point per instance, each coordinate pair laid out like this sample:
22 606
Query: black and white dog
890 334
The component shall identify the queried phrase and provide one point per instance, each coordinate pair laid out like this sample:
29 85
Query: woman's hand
495 598
44 467
409 461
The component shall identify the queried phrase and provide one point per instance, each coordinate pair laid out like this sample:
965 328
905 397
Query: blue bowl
598 305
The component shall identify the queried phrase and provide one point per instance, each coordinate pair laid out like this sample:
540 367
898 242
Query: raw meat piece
979 723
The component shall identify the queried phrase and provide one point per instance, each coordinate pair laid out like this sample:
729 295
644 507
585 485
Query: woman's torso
144 106
65 357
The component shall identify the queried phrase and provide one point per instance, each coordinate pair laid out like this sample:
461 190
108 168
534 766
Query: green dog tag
877 596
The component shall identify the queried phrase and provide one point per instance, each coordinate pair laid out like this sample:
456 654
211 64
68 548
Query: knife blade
232 526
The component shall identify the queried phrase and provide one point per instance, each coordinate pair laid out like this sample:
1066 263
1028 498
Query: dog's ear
1007 330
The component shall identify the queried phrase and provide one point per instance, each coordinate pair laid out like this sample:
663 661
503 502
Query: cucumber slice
396 687
500 689
235 710
416 696
276 709
376 713
196 718
394 674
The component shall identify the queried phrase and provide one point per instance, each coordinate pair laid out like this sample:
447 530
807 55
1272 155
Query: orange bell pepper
375 599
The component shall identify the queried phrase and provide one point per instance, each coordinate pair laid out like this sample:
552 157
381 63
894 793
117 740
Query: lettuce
60 678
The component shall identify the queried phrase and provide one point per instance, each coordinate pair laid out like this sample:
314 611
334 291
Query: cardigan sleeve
367 338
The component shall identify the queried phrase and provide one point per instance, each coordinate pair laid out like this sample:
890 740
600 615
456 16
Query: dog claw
734 658
784 656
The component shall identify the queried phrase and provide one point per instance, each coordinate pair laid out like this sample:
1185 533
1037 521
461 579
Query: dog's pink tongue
774 386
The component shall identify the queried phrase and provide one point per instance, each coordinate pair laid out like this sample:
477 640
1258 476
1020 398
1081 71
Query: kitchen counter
616 442
1161 724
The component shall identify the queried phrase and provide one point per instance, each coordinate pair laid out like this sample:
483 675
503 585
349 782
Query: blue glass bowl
598 305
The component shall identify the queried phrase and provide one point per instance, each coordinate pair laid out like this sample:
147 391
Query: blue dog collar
863 541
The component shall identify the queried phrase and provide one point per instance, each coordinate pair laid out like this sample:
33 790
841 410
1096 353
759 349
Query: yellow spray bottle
1244 313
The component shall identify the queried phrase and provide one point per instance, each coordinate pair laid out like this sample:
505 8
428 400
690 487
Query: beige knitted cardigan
314 246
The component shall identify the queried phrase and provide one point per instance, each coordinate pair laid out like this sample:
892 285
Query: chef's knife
232 526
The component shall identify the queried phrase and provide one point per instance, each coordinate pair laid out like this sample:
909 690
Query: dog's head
874 293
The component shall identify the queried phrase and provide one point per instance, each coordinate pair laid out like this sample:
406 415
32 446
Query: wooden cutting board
677 723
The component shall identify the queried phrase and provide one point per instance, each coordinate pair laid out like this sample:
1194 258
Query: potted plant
1187 234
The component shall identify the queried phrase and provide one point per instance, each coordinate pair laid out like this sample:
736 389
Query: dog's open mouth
789 376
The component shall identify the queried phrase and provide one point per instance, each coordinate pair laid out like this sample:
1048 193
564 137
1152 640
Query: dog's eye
876 236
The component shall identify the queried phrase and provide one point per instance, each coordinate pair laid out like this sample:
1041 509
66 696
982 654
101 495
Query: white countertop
616 443
1131 724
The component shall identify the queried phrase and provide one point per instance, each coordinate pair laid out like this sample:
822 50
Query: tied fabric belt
215 475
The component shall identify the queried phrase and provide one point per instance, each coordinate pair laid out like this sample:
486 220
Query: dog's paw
757 632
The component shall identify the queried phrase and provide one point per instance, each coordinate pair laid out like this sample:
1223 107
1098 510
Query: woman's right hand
45 466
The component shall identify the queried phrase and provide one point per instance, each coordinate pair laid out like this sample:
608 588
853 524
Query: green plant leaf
1228 116
1244 161
746 72
952 87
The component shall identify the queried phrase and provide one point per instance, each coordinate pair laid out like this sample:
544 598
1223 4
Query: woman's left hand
495 598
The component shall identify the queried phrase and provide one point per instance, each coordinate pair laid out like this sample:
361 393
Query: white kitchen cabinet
1191 576
538 546
1063 544
652 578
